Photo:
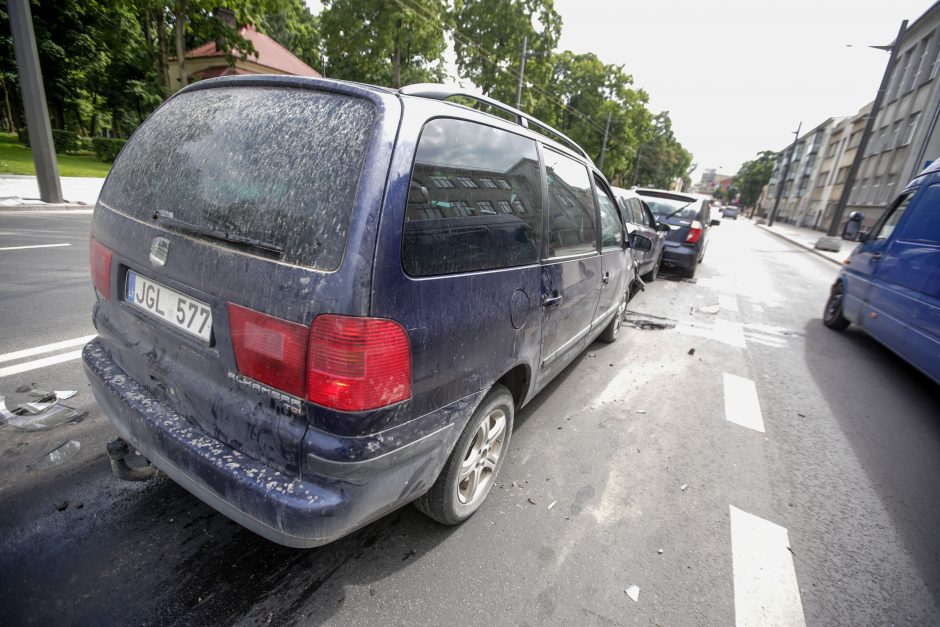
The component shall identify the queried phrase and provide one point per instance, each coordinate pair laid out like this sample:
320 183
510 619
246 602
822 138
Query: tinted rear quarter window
276 165
474 200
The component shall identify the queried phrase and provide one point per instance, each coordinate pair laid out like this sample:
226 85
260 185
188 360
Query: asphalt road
780 472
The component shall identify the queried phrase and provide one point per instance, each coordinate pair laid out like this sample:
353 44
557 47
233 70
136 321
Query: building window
486 207
466 181
520 207
902 74
896 134
888 189
488 183
442 182
875 186
936 64
503 206
841 176
503 183
921 61
911 127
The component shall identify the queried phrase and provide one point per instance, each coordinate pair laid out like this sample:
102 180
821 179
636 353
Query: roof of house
268 53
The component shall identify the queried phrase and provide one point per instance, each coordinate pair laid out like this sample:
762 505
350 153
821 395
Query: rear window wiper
679 209
166 218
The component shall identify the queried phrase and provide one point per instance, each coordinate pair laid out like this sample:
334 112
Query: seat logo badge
159 249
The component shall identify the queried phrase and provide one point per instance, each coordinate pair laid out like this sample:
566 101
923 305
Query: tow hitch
118 449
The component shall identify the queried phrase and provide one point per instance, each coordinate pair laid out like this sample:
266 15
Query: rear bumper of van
329 501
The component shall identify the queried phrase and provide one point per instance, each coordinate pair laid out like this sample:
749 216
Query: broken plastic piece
58 455
35 408
634 593
683 486
552 504
710 309
641 411
64 395
53 417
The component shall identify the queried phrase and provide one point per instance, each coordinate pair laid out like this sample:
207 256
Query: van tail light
356 364
99 261
269 350
341 362
695 232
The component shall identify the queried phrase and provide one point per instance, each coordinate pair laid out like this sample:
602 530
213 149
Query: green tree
385 42
488 45
754 175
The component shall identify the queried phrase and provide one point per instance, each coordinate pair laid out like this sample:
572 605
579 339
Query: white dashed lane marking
766 591
741 404
44 361
46 348
35 246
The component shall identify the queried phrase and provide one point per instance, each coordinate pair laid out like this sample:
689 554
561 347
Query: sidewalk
806 238
18 190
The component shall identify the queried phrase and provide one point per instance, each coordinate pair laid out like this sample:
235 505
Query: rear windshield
675 207
278 166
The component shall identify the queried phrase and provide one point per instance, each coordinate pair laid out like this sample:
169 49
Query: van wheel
613 328
650 276
472 467
832 316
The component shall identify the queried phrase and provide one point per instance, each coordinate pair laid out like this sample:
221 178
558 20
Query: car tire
832 314
457 494
690 271
650 276
609 335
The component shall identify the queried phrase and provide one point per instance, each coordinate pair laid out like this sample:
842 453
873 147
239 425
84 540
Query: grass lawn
15 158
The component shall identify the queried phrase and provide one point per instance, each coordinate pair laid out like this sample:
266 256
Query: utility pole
786 171
34 101
636 164
866 134
600 165
525 39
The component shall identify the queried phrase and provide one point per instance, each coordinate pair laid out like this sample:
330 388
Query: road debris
660 551
710 309
531 500
683 486
45 413
62 505
592 354
411 553
691 351
801 415
647 322
634 593
641 411
59 454
552 504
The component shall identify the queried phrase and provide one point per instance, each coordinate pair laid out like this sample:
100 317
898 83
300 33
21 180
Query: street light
866 133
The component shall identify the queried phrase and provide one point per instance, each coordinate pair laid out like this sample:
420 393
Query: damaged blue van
890 284
319 301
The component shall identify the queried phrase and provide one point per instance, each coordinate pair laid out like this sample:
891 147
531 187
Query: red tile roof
269 53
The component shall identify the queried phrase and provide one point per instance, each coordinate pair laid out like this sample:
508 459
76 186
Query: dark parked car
729 212
689 218
318 301
890 285
640 220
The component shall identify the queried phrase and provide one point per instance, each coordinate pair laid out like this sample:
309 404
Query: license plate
178 310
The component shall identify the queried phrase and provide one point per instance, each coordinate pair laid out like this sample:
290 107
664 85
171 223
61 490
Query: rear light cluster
695 232
99 261
342 362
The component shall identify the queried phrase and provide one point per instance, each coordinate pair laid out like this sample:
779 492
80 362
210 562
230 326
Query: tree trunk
94 115
180 28
396 59
58 116
116 123
10 126
163 59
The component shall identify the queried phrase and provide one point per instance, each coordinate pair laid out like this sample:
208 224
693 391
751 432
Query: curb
47 207
800 244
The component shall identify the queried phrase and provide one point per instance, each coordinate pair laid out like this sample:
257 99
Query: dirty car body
298 313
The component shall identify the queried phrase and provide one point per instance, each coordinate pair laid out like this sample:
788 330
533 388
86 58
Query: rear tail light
355 364
268 349
695 232
342 362
99 261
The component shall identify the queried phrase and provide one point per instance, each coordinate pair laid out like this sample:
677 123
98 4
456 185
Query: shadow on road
896 443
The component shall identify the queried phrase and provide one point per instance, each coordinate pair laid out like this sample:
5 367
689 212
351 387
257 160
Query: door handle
551 301
606 278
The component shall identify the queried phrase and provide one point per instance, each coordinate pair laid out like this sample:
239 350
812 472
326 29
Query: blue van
890 285
318 301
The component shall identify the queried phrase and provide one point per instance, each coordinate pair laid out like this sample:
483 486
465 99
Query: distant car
890 285
729 212
640 219
689 219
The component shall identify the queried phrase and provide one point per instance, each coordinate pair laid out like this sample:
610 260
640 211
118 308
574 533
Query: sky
738 76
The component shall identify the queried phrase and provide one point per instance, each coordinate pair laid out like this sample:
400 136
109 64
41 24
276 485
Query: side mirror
863 237
662 227
851 230
638 242
716 222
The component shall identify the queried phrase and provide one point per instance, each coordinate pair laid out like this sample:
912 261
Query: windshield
677 208
279 166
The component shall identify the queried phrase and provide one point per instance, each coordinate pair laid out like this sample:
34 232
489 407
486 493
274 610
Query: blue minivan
318 301
890 285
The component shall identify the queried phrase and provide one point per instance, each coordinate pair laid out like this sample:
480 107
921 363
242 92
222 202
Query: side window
648 218
636 213
887 224
570 206
923 224
474 202
611 225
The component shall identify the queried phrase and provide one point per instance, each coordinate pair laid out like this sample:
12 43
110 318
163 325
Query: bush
106 148
64 141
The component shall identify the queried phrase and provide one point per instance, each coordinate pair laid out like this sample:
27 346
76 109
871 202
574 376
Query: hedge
64 141
107 148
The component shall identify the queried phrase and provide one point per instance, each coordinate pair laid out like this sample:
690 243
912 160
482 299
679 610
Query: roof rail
440 91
